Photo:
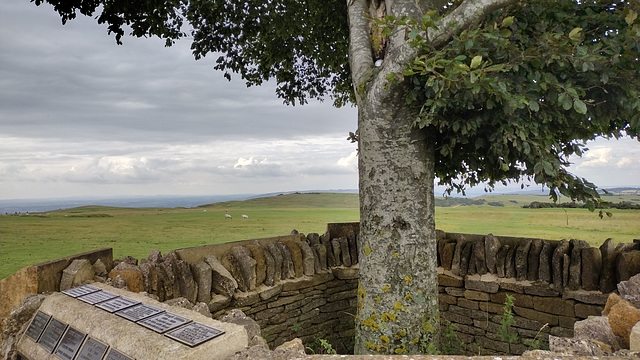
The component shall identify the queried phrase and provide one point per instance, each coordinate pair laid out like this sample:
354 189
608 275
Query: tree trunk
398 292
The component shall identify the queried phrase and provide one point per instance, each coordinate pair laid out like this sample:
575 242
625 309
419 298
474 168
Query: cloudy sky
81 116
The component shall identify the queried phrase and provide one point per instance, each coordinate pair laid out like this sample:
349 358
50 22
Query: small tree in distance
468 92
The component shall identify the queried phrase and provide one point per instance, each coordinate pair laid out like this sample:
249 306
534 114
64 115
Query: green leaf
575 34
579 106
631 17
506 22
534 106
476 61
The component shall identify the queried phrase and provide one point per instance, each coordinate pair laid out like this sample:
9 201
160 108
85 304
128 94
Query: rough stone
465 257
558 263
608 277
540 288
269 277
78 272
324 240
239 318
313 239
267 293
630 290
218 302
296 257
247 266
553 305
288 268
533 260
474 282
510 263
352 239
491 247
480 258
337 252
130 260
576 347
100 269
248 298
274 250
118 282
344 251
202 276
167 279
623 316
155 256
584 310
634 338
575 263
628 265
321 250
257 253
16 324
130 273
448 279
152 281
521 257
457 254
186 283
587 297
446 256
222 282
501 257
308 260
202 308
597 328
346 273
591 268
545 270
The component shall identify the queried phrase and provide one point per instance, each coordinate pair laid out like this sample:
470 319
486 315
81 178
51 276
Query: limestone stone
270 265
345 255
480 257
288 269
267 293
78 272
558 262
308 260
501 257
321 250
237 317
474 282
316 258
539 316
545 270
352 239
232 264
202 276
553 305
587 297
597 328
130 273
182 302
247 265
448 279
575 263
257 253
118 282
511 284
274 250
540 288
241 299
585 310
465 257
576 347
510 263
100 269
623 316
155 256
313 239
591 268
222 282
296 257
16 323
491 247
446 256
346 272
151 280
630 290
628 265
608 278
565 269
634 338
337 252
521 257
167 278
306 281
457 254
186 282
129 260
324 240
612 300
533 260
218 302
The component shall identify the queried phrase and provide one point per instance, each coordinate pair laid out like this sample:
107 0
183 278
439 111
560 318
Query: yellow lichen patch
400 334
395 255
385 288
419 291
387 317
398 306
378 299
369 345
384 339
415 341
367 250
402 349
370 323
426 327
408 278
408 297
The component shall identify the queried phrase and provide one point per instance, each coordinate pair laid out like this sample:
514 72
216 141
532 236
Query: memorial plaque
97 297
70 344
164 322
116 355
117 304
37 325
194 334
92 350
52 334
80 290
139 312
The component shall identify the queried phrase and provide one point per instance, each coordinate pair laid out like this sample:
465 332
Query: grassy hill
33 238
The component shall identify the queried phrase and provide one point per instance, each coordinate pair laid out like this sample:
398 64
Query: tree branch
360 55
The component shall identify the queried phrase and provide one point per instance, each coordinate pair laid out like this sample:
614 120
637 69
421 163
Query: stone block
218 302
540 288
446 255
583 311
78 272
202 276
222 282
591 268
346 272
468 304
533 259
447 299
308 259
331 260
288 267
628 265
608 278
541 317
131 274
336 251
587 297
474 282
521 257
491 247
267 292
321 252
623 316
480 257
257 253
448 279
457 253
296 257
465 258
557 262
597 328
555 306
545 270
476 295
634 338
630 290
510 263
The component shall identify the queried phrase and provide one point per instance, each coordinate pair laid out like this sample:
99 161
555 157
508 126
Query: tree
465 92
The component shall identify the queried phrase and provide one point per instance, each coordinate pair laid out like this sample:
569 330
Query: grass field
29 239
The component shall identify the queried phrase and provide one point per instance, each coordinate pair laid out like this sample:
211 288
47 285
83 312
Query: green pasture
29 239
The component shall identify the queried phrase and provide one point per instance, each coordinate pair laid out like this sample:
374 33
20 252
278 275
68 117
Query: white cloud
350 161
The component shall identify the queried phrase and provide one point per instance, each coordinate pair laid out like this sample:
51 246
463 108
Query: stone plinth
130 338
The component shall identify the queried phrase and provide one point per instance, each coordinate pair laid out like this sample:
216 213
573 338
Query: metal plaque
139 312
80 290
97 297
164 322
117 304
52 334
70 344
116 355
194 334
37 325
92 350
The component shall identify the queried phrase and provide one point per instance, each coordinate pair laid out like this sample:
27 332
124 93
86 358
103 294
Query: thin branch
360 56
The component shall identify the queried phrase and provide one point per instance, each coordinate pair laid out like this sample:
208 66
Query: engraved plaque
139 312
194 334
92 350
37 325
97 297
80 290
164 322
117 304
70 344
52 334
116 355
